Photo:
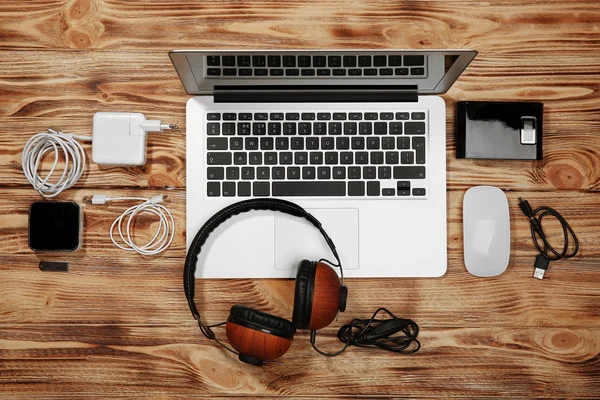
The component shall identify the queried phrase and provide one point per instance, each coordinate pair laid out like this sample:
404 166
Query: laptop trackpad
297 239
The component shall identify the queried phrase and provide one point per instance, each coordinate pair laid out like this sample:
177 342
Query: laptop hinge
307 94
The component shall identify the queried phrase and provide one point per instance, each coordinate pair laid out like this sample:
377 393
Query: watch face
54 226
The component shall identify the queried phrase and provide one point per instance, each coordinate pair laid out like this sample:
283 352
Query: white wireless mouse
486 231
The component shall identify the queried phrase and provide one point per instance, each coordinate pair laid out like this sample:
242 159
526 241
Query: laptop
358 138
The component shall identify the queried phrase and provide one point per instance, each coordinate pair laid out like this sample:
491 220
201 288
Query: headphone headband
209 226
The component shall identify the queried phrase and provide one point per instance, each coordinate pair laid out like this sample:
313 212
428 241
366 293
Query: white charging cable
40 144
164 233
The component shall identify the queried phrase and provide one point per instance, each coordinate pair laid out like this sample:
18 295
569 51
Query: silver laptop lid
208 72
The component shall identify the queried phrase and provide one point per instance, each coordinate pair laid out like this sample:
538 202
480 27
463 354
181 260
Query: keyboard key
247 173
267 143
261 116
369 173
418 192
417 71
261 72
371 116
312 143
308 173
263 173
276 72
417 115
334 61
418 144
349 128
229 117
243 61
215 173
276 116
370 71
323 72
307 116
391 157
251 143
304 61
395 128
331 158
349 61
229 71
228 189
309 188
244 128
270 158
339 72
307 72
213 128
213 71
274 61
335 128
218 158
402 116
297 143
386 116
384 172
327 143
213 116
386 71
339 172
353 172
364 61
274 128
358 143
387 143
373 188
243 189
355 72
293 173
235 143
259 61
228 61
292 72
373 143
255 158
301 158
355 116
407 157
292 116
259 128
403 143
304 128
379 61
320 128
316 158
289 128
282 143
381 128
278 173
216 143
394 60
414 60
414 128
323 116
401 71
286 158
229 128
319 61
346 157
377 157
342 143
405 172
240 158
365 128
245 72
356 188
289 61
403 185
403 192
361 157
324 173
232 173
245 116
261 189
213 189
388 192
339 116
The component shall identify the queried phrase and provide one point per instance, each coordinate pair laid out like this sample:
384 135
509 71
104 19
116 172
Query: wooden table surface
117 324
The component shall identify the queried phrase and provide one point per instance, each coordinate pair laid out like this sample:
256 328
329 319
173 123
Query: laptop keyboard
307 65
317 154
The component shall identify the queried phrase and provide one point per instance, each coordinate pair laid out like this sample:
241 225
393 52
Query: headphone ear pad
305 280
258 336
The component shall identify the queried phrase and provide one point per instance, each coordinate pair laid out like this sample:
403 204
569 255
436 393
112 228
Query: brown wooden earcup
258 336
318 296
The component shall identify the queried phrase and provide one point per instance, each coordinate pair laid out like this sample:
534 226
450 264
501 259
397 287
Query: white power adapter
119 138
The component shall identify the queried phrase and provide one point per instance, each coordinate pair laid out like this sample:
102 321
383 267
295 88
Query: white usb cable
164 234
40 144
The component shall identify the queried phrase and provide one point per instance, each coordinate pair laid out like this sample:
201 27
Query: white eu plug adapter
119 138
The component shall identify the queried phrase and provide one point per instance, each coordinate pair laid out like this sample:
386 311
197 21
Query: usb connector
541 265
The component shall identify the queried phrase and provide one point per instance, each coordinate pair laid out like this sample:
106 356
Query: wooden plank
175 359
548 27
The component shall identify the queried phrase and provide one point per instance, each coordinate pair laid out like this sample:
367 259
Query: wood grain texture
118 325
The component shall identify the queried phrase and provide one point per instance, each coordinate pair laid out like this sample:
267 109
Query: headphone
258 337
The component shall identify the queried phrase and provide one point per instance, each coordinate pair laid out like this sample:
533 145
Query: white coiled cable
40 144
164 233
